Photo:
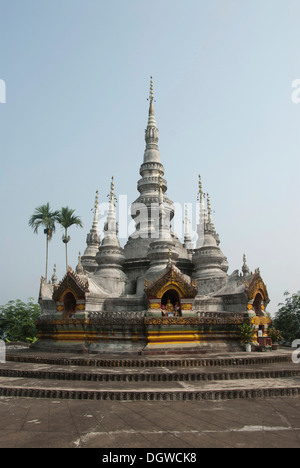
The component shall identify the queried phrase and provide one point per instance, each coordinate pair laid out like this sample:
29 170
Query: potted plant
276 337
247 335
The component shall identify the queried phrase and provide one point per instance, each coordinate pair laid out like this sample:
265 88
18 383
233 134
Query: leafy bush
275 335
17 320
246 333
287 319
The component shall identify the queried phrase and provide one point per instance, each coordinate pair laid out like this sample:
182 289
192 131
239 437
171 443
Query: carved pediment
171 278
255 286
71 282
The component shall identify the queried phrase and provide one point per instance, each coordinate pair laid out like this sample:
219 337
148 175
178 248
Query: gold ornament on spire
151 97
112 189
200 185
200 190
96 202
208 204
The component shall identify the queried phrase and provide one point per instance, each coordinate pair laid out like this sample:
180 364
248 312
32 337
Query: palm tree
43 216
66 219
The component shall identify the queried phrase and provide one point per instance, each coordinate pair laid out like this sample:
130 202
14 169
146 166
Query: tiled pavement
51 423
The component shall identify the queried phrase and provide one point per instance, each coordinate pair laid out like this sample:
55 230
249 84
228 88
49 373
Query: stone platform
141 378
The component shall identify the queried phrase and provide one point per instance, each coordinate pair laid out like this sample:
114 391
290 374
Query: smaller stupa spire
54 276
245 268
79 267
202 214
210 224
111 225
92 240
187 237
95 221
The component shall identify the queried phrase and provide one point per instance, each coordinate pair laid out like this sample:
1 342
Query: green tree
17 320
44 217
287 319
66 219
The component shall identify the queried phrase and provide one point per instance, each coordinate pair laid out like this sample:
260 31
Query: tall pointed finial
79 267
54 277
151 107
96 209
112 189
245 268
96 200
188 244
202 215
186 220
209 209
151 96
200 186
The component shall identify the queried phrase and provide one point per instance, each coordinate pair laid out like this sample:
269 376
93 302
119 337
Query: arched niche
257 305
69 305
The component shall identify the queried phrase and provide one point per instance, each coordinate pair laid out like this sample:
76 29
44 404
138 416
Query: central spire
152 186
151 132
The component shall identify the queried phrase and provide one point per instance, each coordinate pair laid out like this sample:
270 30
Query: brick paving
51 423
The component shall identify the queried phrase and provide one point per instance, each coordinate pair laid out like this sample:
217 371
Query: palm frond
66 218
43 216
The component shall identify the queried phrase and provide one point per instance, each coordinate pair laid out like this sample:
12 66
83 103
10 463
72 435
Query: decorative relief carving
155 306
72 321
186 306
203 318
172 321
218 318
116 318
104 318
261 320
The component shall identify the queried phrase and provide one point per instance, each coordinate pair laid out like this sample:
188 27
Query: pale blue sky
77 76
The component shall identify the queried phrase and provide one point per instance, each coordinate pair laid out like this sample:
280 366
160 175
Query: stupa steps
172 391
257 375
229 359
185 374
